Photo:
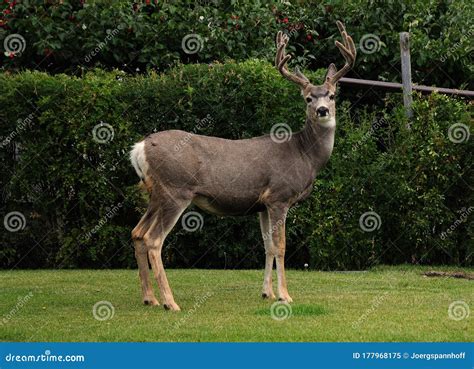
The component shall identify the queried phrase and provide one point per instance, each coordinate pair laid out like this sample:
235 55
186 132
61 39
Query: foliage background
80 197
60 37
66 183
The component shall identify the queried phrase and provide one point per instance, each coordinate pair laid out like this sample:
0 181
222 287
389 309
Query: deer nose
322 111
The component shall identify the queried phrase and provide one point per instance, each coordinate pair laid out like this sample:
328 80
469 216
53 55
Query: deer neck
316 142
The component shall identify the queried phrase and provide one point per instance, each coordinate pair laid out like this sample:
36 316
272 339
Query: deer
236 177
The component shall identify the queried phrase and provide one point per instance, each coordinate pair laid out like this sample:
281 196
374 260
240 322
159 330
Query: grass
383 304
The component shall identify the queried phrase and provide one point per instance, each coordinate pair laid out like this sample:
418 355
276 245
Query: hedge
79 35
67 182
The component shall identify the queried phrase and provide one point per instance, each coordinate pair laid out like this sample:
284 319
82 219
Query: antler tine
281 59
348 51
279 48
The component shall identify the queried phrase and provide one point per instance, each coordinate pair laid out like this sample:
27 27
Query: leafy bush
391 194
78 35
64 166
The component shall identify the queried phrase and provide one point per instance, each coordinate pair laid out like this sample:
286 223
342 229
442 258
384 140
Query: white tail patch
138 159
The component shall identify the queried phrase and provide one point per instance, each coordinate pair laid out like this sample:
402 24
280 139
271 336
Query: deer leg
141 254
167 217
277 230
267 291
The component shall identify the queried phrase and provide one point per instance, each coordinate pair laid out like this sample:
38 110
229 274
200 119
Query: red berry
285 20
309 37
11 55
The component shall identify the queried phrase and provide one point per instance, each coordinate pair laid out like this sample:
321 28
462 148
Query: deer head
320 100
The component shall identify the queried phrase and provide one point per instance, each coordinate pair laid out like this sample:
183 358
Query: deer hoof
172 306
269 296
287 299
151 301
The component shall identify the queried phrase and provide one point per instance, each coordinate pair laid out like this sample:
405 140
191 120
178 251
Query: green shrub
72 37
80 200
417 181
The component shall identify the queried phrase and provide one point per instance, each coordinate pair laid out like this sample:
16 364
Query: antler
347 50
281 59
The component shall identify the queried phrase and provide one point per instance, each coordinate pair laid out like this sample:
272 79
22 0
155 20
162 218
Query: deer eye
309 99
331 97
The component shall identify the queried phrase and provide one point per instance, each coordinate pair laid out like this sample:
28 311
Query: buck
236 177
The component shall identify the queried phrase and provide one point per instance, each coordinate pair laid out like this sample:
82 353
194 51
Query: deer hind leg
167 216
141 254
267 290
277 229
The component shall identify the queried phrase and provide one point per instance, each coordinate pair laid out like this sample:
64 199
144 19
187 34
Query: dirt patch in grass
450 274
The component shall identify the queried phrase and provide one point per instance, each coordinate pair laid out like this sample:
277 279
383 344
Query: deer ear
300 75
331 72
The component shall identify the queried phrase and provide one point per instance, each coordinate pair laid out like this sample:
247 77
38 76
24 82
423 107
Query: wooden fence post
406 73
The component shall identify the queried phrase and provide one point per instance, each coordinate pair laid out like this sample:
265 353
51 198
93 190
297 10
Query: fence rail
406 86
399 86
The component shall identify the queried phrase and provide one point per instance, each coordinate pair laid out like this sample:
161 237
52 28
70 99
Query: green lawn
383 304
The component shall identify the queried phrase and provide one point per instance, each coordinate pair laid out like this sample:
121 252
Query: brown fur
238 177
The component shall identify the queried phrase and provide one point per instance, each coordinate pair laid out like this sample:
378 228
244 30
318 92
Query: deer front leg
267 291
277 230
